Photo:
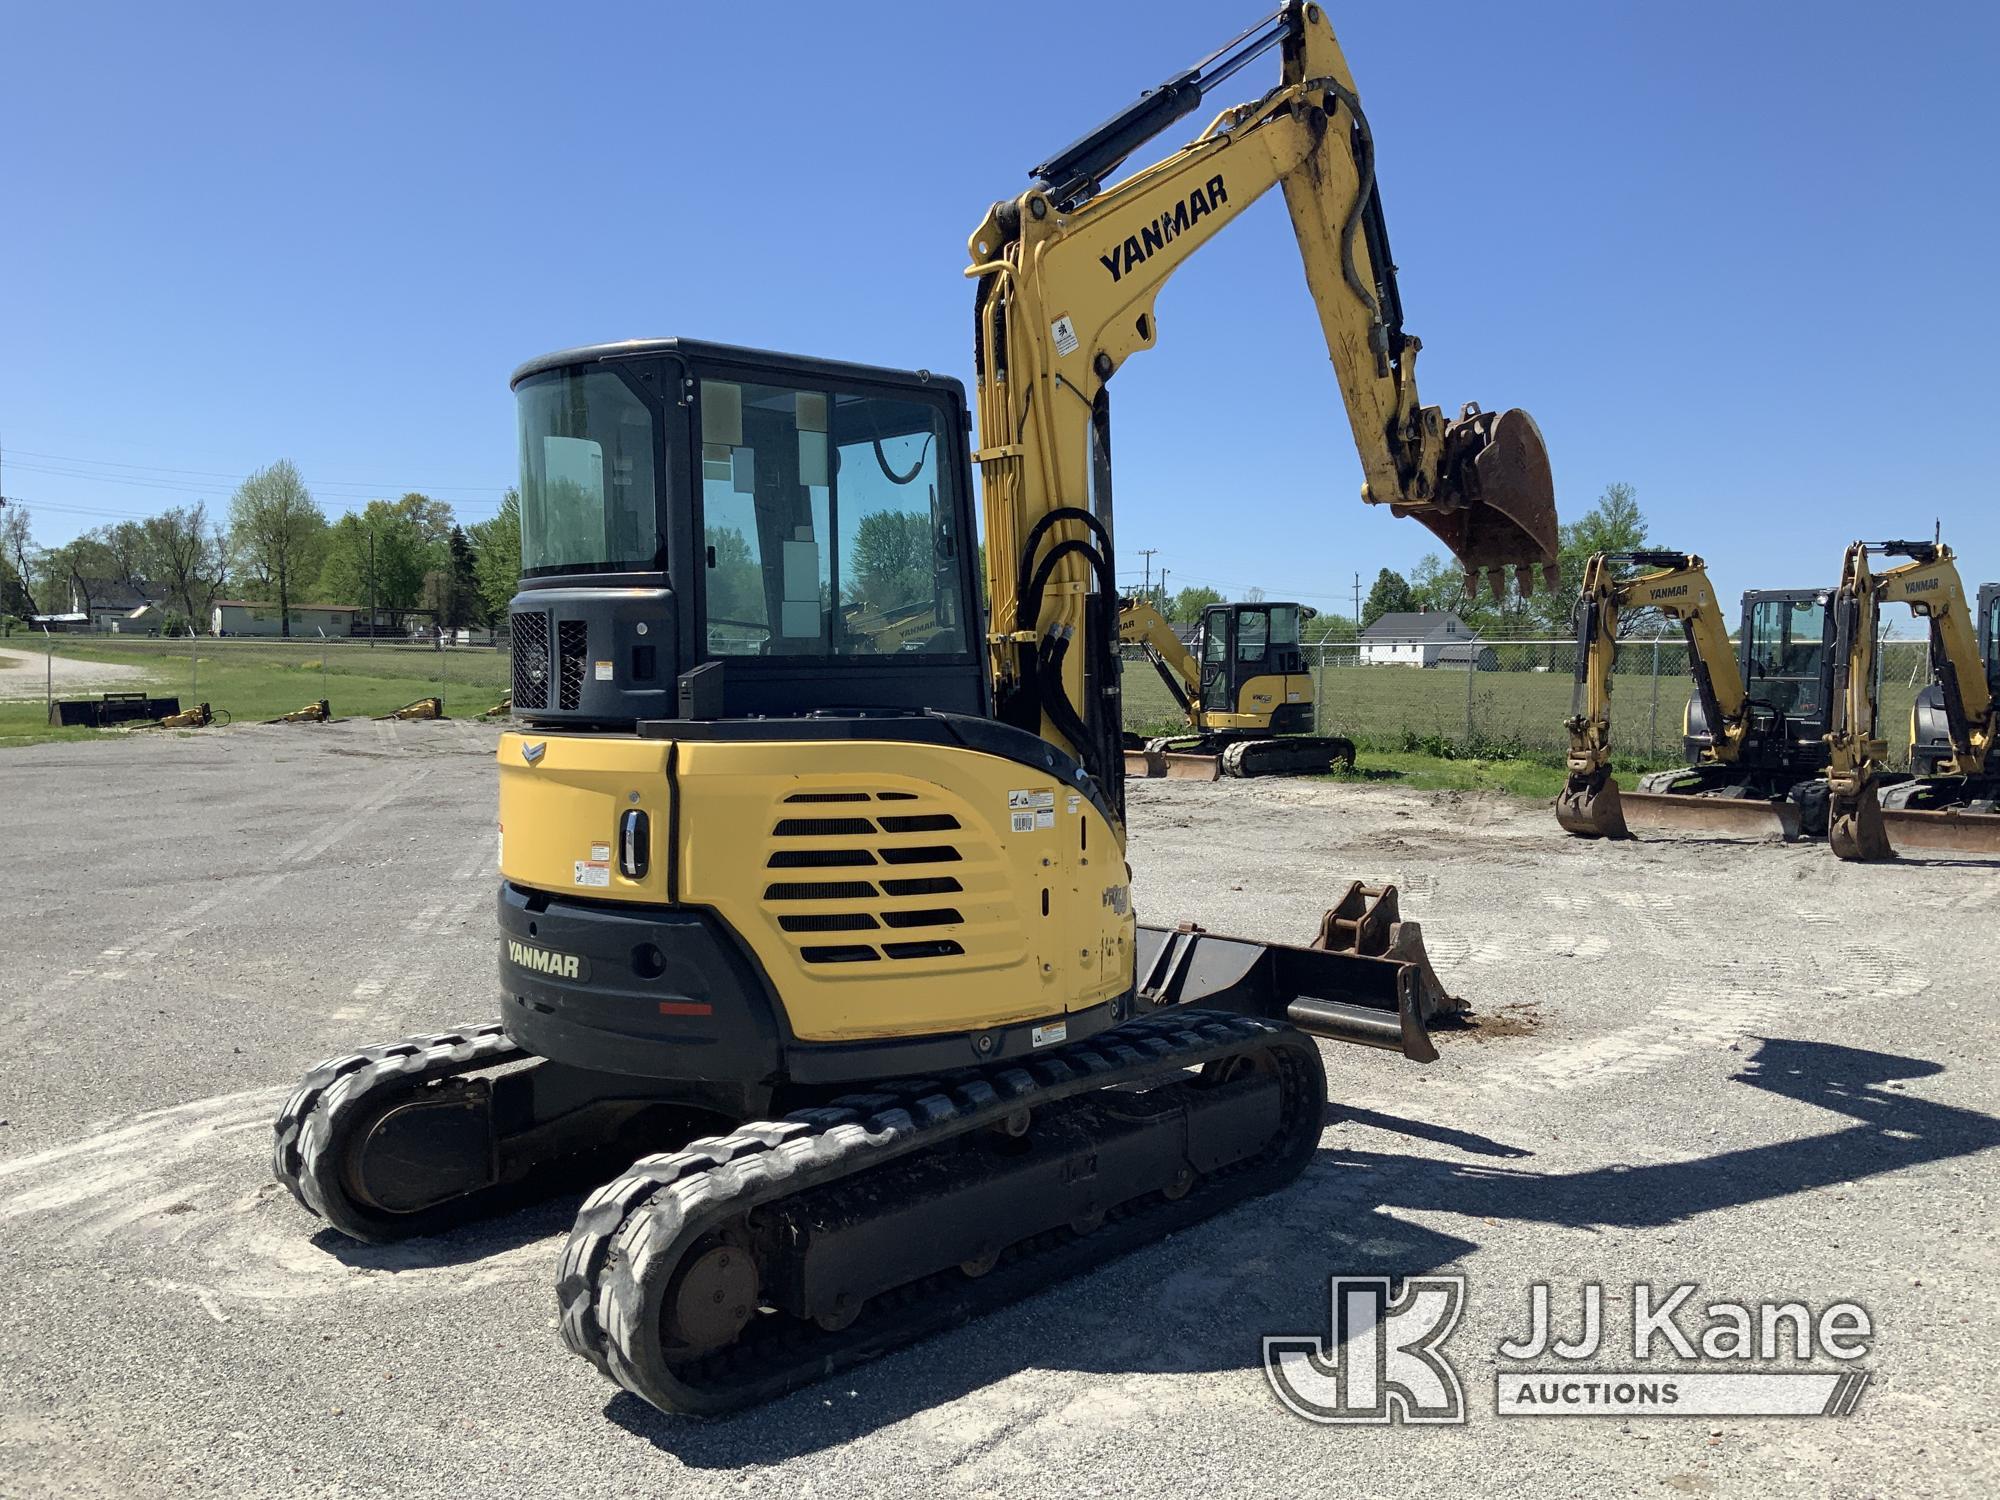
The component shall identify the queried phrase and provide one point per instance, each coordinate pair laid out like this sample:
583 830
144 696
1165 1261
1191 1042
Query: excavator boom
1954 808
1068 274
1591 804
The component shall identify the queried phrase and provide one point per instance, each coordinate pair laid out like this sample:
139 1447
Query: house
247 617
103 604
1468 656
1416 638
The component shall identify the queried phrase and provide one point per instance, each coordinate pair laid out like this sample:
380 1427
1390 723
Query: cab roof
702 349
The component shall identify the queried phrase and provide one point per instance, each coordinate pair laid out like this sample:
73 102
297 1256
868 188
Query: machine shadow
1264 1267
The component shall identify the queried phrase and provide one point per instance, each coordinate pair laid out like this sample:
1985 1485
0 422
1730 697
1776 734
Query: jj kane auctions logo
1384 1359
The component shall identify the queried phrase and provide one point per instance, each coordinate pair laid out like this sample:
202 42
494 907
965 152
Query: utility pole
1357 604
1147 553
371 588
1163 591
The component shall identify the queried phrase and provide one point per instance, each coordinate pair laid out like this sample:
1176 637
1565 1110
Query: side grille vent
882 930
531 659
573 639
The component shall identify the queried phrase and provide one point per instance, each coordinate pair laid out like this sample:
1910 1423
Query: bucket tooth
1590 807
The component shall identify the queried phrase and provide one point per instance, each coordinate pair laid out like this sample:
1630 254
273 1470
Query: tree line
275 544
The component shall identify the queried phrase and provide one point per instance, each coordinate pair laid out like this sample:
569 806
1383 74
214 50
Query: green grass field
255 680
1384 708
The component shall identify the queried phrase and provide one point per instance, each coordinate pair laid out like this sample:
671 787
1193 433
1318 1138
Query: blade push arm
1067 277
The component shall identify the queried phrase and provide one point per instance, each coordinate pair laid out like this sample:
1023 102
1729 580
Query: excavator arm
1590 803
1929 583
1068 274
1140 624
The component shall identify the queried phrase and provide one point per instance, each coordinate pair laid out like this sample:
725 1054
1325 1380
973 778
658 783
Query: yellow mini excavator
1248 699
813 880
1756 721
1954 803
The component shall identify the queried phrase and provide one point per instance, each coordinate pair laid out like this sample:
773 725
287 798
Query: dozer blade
1734 817
1590 807
1943 828
1145 764
1332 988
1497 497
1183 765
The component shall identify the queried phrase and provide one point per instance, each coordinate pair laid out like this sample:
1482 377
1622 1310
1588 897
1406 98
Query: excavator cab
1253 673
712 532
1785 653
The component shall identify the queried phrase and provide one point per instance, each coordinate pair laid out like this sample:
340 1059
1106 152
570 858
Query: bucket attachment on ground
108 709
1365 979
423 708
1855 827
1590 807
313 713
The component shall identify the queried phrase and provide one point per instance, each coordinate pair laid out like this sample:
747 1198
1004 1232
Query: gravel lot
1749 1067
28 675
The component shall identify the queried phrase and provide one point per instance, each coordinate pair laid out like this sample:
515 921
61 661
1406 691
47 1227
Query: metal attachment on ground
1854 824
504 706
1590 806
1368 922
423 708
313 713
198 717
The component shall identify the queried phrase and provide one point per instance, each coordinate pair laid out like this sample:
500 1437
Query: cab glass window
588 457
828 524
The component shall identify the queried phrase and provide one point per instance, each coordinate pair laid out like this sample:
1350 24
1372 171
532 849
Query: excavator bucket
1335 988
1504 519
1591 807
1855 827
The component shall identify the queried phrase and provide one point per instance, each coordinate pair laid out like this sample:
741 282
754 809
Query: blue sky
1735 255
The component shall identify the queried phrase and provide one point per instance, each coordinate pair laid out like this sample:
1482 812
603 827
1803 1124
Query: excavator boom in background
813 878
1247 698
1755 721
1954 801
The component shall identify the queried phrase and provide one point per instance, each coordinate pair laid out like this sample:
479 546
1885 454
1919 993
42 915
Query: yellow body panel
1260 697
842 865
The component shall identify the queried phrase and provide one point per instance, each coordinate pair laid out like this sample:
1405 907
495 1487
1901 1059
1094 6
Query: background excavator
843 934
1247 696
1954 801
1756 721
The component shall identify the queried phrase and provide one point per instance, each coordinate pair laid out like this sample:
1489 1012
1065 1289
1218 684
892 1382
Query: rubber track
631 1232
1306 755
301 1156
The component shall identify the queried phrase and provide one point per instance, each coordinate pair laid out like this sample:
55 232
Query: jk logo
1382 1363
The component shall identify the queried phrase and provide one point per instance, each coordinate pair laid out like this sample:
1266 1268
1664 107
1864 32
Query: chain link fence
1511 697
259 677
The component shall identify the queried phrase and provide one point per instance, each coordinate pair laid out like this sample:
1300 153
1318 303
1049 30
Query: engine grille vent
879 919
531 659
573 639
